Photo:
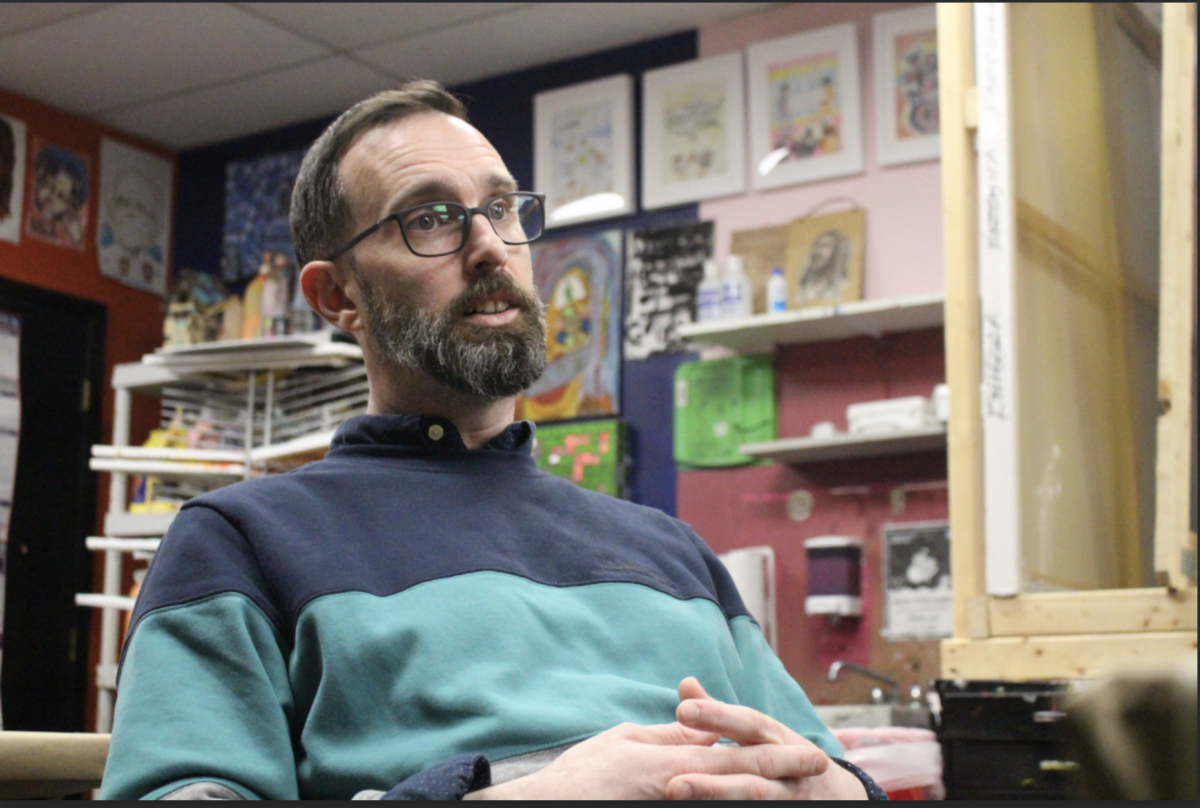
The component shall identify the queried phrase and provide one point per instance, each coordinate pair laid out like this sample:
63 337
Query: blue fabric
406 601
451 780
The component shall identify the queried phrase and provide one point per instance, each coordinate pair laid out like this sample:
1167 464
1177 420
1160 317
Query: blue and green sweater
406 601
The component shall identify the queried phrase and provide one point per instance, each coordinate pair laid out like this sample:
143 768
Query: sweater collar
428 431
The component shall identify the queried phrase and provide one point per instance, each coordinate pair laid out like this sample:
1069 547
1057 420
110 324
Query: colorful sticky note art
590 454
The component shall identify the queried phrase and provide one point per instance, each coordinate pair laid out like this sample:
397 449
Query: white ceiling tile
354 25
135 52
24 16
535 35
264 102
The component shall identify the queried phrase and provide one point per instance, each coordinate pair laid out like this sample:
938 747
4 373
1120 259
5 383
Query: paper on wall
12 177
136 189
10 427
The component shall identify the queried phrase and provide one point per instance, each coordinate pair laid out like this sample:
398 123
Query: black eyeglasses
442 228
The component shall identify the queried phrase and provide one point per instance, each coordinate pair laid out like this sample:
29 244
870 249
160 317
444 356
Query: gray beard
481 361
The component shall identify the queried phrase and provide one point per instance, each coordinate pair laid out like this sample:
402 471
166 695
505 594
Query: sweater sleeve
203 694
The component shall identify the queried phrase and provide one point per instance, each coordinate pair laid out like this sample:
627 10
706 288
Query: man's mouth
490 306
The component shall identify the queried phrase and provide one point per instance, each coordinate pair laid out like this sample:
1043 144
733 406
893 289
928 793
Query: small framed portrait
57 210
805 108
583 150
693 132
12 177
906 86
134 220
825 259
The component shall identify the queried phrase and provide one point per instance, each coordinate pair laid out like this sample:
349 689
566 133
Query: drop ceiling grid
190 74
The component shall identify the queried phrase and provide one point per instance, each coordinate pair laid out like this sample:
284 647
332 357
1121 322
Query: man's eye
498 211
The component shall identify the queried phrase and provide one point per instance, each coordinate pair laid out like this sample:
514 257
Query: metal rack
275 403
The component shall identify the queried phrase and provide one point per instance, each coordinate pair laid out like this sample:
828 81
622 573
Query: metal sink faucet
892 696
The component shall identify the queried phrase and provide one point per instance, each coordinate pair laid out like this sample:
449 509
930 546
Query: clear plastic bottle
736 300
776 292
708 294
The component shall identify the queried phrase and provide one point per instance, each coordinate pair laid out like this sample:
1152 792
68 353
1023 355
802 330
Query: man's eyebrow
502 182
440 191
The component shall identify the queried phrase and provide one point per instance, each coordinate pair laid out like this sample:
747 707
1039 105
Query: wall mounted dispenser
834 576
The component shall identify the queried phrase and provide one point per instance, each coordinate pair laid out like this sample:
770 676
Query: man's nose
485 250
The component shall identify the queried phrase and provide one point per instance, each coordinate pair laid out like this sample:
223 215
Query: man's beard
484 361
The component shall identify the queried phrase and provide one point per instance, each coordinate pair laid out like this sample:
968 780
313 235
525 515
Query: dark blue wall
501 108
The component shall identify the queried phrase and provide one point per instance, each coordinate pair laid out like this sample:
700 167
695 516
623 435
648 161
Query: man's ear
324 284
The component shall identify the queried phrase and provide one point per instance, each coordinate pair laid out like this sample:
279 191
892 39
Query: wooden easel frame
1073 634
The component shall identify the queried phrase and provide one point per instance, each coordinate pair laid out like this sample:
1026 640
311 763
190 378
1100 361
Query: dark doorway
44 678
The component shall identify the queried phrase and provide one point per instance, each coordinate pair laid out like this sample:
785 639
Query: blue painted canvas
258 196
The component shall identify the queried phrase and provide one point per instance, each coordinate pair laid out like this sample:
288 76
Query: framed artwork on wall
134 221
579 280
906 86
805 107
12 177
825 259
693 132
57 209
583 150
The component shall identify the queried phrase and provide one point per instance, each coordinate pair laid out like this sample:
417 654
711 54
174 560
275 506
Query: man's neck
402 391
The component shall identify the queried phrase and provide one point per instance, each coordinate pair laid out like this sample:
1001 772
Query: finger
690 688
729 787
772 761
744 725
671 735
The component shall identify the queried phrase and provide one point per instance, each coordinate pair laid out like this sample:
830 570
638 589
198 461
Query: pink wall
903 203
745 507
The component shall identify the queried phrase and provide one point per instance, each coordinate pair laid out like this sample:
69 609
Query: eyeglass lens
441 227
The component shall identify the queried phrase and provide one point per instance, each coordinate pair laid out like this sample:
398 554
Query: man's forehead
418 151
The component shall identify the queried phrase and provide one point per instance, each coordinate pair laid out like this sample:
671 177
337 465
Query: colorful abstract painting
579 280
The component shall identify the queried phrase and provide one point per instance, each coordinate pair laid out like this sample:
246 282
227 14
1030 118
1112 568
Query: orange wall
134 317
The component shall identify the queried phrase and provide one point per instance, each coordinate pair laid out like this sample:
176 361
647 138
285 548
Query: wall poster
591 454
258 198
134 223
583 150
579 280
918 595
57 210
664 268
805 112
693 138
906 86
12 177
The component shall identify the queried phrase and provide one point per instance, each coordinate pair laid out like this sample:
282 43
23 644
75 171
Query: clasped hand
683 761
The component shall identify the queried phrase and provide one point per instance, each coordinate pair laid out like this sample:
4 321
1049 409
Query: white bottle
708 294
776 292
735 290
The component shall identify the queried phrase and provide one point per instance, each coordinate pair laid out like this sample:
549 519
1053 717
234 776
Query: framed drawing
579 280
12 177
918 600
663 269
134 222
906 86
583 150
805 108
825 259
693 132
57 208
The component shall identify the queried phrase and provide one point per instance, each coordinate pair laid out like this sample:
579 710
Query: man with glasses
423 612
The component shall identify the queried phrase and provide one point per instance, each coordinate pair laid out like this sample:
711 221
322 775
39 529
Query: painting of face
825 259
58 212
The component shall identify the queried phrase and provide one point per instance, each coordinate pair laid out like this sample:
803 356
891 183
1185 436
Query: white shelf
848 446
167 468
105 601
145 453
873 318
123 545
297 446
137 524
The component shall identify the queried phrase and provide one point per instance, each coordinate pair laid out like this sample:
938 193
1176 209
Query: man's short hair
320 213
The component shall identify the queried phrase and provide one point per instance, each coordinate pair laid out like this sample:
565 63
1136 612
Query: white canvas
136 191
